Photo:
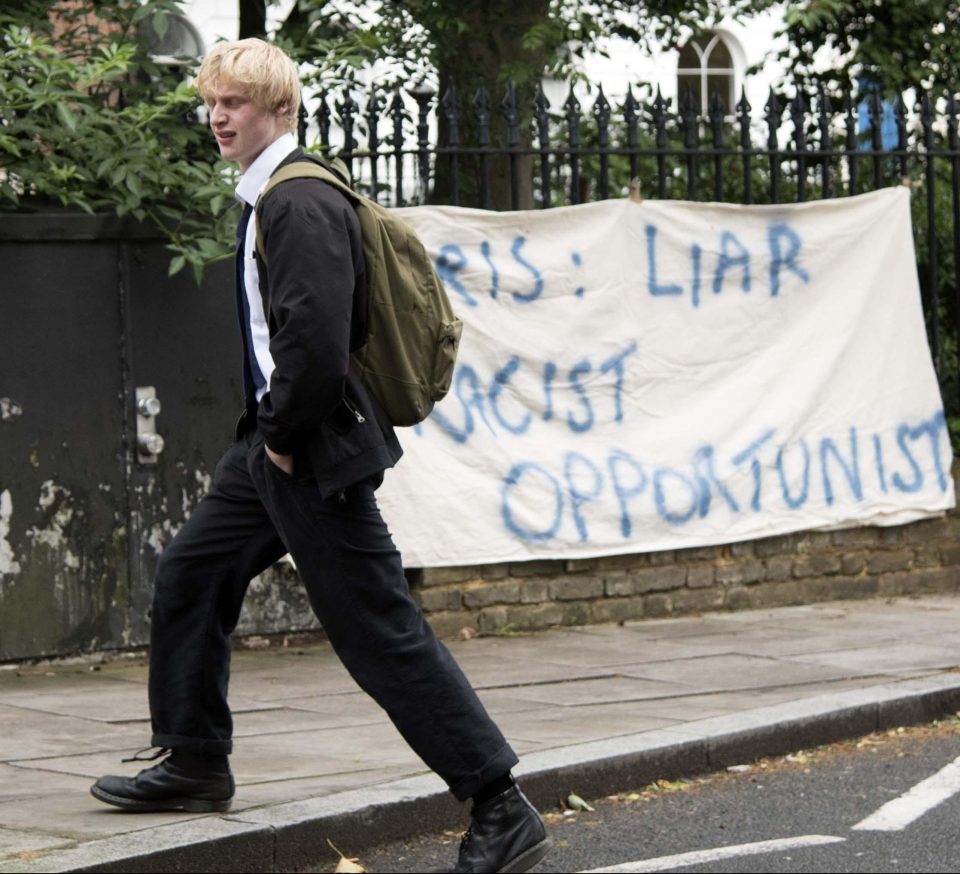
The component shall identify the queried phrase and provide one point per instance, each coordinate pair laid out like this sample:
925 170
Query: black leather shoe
168 787
506 834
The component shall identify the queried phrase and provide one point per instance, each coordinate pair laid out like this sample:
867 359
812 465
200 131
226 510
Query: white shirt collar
258 173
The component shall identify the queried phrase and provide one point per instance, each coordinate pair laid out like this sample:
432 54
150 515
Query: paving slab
599 708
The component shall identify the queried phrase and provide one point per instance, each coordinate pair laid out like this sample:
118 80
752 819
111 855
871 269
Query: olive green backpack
412 333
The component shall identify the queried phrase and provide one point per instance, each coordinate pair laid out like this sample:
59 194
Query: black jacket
314 291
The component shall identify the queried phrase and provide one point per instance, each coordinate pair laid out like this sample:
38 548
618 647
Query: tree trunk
479 55
253 18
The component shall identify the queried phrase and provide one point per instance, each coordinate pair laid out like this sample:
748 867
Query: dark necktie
253 379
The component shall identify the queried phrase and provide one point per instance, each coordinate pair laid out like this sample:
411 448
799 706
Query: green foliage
893 43
89 122
519 39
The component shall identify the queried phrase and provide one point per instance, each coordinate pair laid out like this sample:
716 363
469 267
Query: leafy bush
89 121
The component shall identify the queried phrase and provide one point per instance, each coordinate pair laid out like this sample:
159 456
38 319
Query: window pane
689 57
719 58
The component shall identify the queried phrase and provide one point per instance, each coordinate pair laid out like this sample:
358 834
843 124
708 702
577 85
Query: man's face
243 129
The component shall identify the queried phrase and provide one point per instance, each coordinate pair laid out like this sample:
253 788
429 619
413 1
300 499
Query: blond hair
266 74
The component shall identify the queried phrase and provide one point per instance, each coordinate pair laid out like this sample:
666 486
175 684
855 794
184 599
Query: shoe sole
191 805
528 858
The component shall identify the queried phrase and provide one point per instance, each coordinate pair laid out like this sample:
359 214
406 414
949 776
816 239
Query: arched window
706 65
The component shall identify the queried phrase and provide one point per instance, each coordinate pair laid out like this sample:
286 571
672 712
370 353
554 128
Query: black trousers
253 515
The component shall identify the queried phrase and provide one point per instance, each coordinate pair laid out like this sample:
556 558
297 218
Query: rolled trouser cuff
198 746
496 766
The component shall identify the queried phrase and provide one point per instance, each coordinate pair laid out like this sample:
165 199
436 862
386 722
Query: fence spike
630 115
630 106
601 107
952 121
540 102
481 108
512 115
743 111
302 124
926 112
451 113
541 111
850 120
798 115
374 110
717 113
774 117
347 108
572 113
688 118
824 113
660 120
322 116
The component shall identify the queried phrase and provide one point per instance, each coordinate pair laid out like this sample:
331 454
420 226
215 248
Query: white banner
638 377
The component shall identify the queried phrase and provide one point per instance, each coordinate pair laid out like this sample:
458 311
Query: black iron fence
525 153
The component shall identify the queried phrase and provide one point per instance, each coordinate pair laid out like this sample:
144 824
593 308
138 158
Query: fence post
423 94
688 121
322 115
926 121
660 127
348 109
601 112
798 115
824 111
397 112
630 107
717 113
572 107
512 116
453 136
900 114
374 107
774 111
746 147
953 143
875 114
541 112
852 142
481 107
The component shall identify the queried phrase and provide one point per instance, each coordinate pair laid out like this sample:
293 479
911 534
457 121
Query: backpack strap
308 168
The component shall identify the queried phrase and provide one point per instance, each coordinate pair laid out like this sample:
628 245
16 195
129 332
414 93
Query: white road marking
927 794
702 857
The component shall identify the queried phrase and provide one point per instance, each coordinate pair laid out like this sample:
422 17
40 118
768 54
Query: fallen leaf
575 802
345 865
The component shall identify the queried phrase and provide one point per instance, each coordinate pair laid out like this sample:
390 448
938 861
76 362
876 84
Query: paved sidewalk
595 710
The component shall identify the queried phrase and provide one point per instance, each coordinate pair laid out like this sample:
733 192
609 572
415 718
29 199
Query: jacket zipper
356 413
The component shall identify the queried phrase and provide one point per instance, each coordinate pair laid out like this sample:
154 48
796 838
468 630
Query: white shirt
248 190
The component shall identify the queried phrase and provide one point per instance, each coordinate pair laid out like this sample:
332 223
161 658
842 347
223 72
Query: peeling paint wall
82 521
9 566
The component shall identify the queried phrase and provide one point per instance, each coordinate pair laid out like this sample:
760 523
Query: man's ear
281 110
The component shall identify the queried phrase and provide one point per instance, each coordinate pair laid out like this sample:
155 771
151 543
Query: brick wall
801 568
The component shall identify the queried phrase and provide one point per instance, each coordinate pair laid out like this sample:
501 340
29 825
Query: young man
311 449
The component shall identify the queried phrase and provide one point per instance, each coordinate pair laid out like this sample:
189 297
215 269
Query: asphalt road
886 802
